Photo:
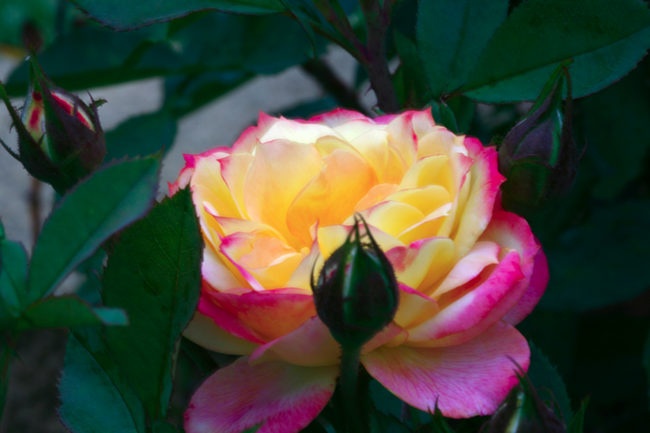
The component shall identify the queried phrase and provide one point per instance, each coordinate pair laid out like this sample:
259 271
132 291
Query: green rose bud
60 139
539 156
523 411
356 292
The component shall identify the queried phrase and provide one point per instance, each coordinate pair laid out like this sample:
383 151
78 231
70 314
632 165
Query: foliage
474 63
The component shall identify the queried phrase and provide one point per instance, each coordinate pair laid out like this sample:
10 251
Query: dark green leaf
13 278
99 206
142 135
601 262
548 383
577 423
15 13
163 427
605 40
6 355
126 14
68 312
646 364
91 56
410 80
451 35
618 140
93 399
154 274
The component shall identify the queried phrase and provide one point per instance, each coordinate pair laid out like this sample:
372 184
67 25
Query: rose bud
523 411
60 139
356 293
538 156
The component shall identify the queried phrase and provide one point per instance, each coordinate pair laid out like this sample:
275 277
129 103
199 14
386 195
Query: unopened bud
60 139
539 156
523 411
356 293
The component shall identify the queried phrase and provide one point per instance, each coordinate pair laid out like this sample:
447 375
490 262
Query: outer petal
265 315
280 397
465 380
468 311
203 331
512 232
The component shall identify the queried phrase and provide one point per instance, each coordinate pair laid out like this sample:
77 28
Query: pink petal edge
281 397
463 381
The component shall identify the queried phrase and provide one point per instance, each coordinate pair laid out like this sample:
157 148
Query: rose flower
278 203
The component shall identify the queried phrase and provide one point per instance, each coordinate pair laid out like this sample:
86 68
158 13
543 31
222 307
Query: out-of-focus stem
377 21
34 200
327 79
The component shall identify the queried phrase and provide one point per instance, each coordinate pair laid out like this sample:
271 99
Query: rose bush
283 198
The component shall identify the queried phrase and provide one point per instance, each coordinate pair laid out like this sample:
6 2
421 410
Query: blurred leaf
601 262
15 13
258 44
93 400
160 426
142 135
6 355
443 115
13 279
646 364
549 383
410 79
91 56
618 141
67 312
604 39
107 201
577 423
185 94
126 14
154 274
451 35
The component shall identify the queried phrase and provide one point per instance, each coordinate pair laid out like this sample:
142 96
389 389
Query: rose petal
203 331
280 397
267 315
422 263
463 381
468 311
469 267
475 212
512 232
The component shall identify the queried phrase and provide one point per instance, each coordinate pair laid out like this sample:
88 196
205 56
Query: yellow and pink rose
277 203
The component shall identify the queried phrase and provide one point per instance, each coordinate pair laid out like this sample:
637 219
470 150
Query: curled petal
463 381
278 397
468 311
258 316
203 331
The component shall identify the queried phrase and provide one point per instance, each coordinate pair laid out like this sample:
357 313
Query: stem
375 61
349 382
330 83
34 199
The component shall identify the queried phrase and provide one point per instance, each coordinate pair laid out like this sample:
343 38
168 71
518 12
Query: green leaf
142 135
154 274
126 14
6 356
451 35
618 140
646 364
601 262
548 383
14 14
68 312
110 199
577 423
101 57
13 279
604 39
93 398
